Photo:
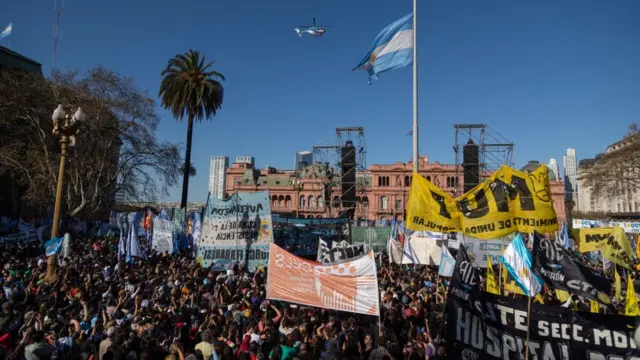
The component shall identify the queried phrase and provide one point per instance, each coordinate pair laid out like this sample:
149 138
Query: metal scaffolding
331 155
494 150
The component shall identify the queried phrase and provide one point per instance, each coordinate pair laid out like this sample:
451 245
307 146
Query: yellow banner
618 293
611 242
507 202
492 285
631 306
595 307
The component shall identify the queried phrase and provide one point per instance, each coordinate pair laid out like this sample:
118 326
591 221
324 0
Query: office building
217 176
302 159
555 169
570 164
246 160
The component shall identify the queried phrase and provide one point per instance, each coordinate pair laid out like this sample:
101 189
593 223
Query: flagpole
415 87
526 348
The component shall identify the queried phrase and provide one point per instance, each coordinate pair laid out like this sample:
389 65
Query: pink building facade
383 190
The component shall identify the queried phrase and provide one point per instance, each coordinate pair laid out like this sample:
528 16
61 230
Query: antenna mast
56 31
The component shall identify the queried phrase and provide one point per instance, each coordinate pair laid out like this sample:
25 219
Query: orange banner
350 285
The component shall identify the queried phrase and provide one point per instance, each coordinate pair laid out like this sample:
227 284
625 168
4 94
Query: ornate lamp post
66 128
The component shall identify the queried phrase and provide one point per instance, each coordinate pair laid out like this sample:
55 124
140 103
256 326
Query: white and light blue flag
392 49
53 246
7 31
447 262
565 237
518 261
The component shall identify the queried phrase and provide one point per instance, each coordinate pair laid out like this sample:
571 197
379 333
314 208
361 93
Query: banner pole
416 160
526 348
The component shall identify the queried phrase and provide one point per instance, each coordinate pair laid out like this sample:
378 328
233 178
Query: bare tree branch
116 148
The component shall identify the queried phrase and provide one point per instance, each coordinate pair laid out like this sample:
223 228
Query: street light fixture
65 127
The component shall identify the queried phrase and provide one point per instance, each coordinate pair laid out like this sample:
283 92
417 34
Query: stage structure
347 156
479 152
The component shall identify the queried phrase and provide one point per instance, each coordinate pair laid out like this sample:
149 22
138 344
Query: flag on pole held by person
518 260
7 31
447 262
392 49
492 285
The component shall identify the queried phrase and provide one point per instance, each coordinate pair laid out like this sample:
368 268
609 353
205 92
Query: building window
383 202
320 202
365 202
281 201
383 181
406 181
303 201
398 204
287 201
336 202
312 202
428 177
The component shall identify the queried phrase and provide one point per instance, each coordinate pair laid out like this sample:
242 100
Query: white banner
162 235
422 248
338 251
478 250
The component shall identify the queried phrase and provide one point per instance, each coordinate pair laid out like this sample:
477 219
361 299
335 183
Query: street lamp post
66 128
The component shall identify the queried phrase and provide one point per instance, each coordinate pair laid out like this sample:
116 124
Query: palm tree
192 170
190 88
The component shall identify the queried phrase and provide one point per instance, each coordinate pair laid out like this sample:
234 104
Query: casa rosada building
382 190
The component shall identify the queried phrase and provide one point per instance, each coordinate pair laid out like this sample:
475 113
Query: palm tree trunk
187 162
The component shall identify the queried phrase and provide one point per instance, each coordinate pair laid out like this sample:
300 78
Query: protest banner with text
507 202
350 285
610 241
238 229
495 327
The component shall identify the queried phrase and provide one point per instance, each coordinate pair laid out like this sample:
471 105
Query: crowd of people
168 307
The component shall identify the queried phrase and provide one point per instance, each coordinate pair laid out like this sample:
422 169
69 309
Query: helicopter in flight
313 30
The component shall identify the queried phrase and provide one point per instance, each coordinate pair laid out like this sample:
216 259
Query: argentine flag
392 49
7 31
447 262
518 261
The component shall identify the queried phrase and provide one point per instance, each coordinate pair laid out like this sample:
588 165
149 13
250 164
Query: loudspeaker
471 165
348 179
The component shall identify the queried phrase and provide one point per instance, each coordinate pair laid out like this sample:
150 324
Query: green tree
192 170
190 88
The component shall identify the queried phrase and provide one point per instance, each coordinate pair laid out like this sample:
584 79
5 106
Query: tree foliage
190 88
115 150
617 171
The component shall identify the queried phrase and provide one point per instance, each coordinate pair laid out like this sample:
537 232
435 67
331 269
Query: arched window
281 201
320 202
398 204
336 202
303 201
383 203
274 201
428 177
287 201
312 202
448 181
365 202
406 181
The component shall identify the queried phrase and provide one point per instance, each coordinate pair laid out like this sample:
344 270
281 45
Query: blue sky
545 74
